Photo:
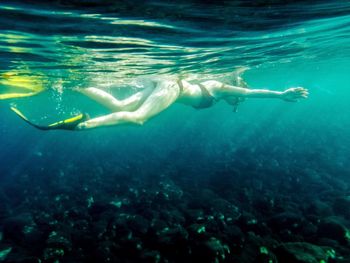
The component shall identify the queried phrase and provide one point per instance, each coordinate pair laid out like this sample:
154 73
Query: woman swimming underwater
143 105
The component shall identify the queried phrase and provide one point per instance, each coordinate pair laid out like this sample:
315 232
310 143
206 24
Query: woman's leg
104 98
161 98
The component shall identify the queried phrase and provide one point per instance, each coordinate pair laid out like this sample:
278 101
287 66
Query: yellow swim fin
70 123
11 95
13 81
21 115
67 124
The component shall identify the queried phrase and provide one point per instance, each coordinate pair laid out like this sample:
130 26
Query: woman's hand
294 94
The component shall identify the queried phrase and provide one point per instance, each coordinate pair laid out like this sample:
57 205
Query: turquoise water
292 154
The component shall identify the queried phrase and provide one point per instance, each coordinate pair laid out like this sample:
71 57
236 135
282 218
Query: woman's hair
239 82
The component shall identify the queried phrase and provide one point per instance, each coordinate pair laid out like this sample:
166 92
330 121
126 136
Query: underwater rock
249 223
216 250
197 231
13 227
246 220
327 242
308 230
226 210
58 244
98 208
20 228
117 227
203 199
287 235
83 239
53 254
173 242
17 255
210 249
173 216
138 224
157 225
302 252
234 235
4 251
319 208
170 216
285 220
161 199
214 225
4 205
264 205
254 249
100 227
171 190
104 252
194 215
172 236
341 206
332 228
59 240
76 213
265 256
152 256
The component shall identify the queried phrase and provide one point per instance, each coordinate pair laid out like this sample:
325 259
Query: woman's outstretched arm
291 94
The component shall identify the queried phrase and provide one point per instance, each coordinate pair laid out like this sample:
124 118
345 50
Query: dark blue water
269 183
